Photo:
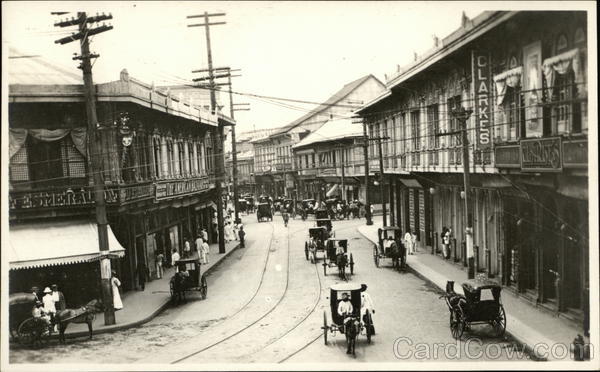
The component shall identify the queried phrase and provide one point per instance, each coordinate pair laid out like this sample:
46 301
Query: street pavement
266 303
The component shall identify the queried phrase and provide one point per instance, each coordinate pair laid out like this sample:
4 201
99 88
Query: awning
56 243
331 191
410 182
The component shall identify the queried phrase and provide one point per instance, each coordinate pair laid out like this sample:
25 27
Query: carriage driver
312 249
345 310
38 313
366 304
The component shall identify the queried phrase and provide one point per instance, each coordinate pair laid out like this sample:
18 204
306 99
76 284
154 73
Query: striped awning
57 243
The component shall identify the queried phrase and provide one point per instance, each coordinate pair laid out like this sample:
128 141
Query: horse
84 314
178 285
394 253
351 330
342 262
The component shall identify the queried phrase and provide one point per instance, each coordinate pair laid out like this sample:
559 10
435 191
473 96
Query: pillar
392 200
165 158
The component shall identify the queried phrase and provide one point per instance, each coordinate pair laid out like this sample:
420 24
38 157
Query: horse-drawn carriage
341 261
480 304
392 249
309 205
351 325
31 331
188 278
242 205
251 207
320 235
264 212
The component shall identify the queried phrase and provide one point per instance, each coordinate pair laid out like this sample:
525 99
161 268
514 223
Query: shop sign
541 155
507 156
166 190
482 83
62 198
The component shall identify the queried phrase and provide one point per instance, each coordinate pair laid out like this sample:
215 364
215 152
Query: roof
335 98
470 30
331 131
64 242
346 287
28 69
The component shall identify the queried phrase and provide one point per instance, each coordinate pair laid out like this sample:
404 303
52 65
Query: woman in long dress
115 284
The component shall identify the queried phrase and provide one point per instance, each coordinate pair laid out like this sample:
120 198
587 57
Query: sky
297 50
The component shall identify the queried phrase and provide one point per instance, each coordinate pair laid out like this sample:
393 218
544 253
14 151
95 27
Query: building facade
274 160
158 161
524 76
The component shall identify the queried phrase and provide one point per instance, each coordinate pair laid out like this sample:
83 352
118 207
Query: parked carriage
395 253
355 326
264 212
320 235
23 328
480 304
188 278
341 262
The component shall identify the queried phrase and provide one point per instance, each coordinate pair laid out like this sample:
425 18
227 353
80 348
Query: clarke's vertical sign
482 83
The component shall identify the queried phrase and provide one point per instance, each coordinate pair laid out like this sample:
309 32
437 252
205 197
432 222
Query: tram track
241 330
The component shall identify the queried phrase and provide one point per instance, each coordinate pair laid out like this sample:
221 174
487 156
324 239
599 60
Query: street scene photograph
310 185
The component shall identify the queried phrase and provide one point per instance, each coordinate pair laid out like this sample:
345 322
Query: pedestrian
35 291
115 283
198 242
446 243
242 236
286 217
371 209
227 231
414 241
142 273
49 307
205 252
366 303
187 249
312 249
159 264
59 298
408 242
175 258
204 235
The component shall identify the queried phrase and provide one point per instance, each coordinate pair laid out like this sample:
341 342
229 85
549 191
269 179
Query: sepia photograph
299 185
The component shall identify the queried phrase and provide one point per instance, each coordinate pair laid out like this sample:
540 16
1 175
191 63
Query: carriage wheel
351 264
325 327
499 323
376 256
29 331
369 325
306 250
457 323
203 287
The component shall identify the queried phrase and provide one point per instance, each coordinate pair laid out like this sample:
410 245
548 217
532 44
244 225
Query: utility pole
218 137
84 33
342 147
462 116
368 216
381 176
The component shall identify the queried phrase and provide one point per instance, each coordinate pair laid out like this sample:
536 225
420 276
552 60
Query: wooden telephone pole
84 33
462 116
218 133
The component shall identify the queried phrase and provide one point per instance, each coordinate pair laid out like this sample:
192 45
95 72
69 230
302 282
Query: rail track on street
273 308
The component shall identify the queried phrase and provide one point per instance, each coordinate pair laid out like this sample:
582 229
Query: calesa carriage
480 304
352 324
319 235
335 257
188 278
264 212
389 247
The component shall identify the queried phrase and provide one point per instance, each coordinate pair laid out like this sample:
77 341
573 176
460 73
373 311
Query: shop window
45 163
511 114
565 114
416 129
433 125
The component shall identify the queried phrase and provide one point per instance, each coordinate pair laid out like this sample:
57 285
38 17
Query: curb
136 323
519 339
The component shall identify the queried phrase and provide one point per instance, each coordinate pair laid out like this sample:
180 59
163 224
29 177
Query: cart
396 255
355 325
188 278
24 328
480 304
320 235
264 212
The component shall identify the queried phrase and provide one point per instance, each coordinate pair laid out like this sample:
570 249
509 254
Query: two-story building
157 162
523 75
274 165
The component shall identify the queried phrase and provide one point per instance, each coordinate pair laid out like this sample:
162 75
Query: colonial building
524 76
157 155
273 159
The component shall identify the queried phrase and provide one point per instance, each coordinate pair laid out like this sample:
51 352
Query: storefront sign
482 82
507 156
65 198
173 189
541 155
575 154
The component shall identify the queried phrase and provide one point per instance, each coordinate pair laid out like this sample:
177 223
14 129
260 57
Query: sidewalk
140 307
526 324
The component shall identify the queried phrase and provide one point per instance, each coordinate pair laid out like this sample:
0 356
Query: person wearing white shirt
408 242
366 304
205 252
49 306
174 258
345 310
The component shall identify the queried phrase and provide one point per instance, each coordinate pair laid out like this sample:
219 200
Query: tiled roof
35 70
331 131
338 96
